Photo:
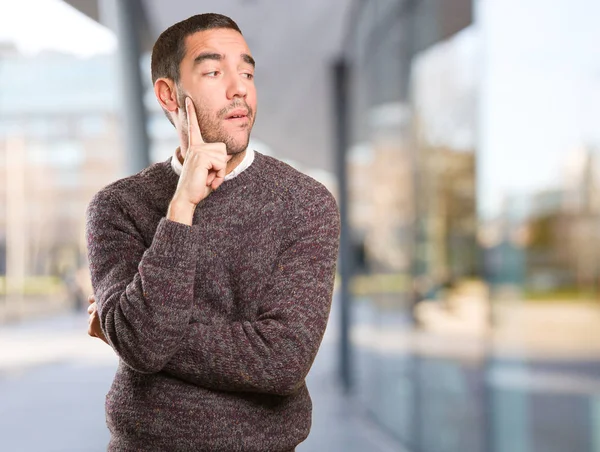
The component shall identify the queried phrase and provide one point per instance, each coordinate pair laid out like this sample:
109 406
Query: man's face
217 72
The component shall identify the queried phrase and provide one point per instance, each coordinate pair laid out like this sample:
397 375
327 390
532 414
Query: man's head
206 58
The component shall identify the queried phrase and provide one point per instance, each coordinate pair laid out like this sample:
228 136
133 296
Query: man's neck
235 161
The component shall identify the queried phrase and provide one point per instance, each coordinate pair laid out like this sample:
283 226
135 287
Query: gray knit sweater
216 324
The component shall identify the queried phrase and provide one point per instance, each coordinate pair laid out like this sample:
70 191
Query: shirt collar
244 164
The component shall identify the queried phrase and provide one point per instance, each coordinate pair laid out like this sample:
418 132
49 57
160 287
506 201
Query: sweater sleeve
274 353
144 294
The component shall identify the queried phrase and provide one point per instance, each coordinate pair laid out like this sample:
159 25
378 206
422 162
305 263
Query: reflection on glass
479 315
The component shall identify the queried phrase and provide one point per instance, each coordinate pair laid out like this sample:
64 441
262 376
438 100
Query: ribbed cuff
173 239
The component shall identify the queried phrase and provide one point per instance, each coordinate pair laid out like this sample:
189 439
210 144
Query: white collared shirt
244 164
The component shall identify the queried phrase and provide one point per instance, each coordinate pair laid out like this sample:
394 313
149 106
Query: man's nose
237 87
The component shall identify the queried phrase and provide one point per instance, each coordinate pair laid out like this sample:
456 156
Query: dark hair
169 49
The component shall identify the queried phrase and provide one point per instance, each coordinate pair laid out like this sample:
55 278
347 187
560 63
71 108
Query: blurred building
447 212
59 144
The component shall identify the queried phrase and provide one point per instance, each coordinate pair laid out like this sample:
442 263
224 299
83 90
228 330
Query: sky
52 25
540 93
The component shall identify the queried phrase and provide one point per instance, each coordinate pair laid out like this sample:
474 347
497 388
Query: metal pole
122 17
345 265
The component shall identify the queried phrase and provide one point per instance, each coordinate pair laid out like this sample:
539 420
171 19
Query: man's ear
166 94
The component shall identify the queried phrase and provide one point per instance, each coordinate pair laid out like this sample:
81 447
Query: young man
212 271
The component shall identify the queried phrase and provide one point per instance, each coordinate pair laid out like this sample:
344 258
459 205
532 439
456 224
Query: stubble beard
212 130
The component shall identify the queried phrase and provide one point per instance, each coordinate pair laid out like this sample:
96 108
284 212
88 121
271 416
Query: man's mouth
237 114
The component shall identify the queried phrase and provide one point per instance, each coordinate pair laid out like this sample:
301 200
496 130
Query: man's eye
248 76
212 73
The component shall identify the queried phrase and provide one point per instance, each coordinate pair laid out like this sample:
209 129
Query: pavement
532 386
53 380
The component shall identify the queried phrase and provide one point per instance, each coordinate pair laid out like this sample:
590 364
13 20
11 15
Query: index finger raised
194 134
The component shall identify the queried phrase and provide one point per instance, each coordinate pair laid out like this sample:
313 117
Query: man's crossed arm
146 318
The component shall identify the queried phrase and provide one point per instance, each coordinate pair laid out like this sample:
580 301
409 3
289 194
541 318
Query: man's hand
204 169
94 329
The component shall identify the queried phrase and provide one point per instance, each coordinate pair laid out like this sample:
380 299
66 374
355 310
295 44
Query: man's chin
235 147
236 150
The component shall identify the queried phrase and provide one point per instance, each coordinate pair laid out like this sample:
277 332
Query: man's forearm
266 356
273 353
144 295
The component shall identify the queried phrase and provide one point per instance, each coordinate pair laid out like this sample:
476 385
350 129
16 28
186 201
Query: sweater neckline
230 184
244 176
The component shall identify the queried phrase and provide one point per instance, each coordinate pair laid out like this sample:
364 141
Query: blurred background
461 140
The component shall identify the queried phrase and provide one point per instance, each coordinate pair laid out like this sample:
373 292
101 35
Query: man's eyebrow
208 56
219 57
248 59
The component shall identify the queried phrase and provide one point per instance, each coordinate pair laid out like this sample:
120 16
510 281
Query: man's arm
143 294
274 353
